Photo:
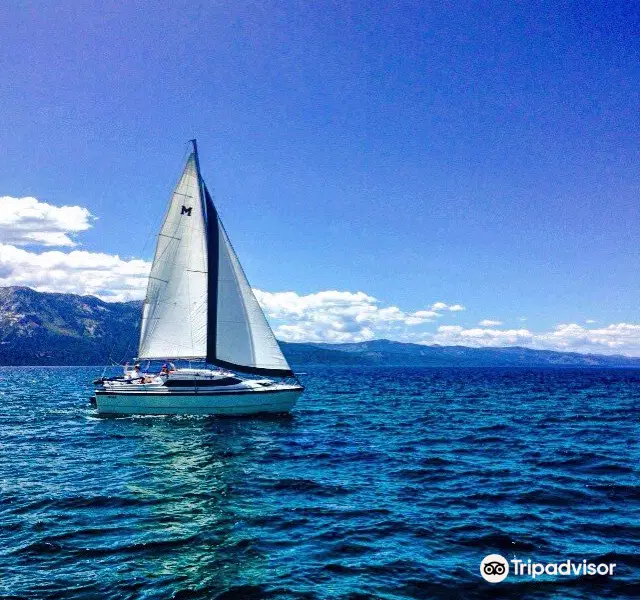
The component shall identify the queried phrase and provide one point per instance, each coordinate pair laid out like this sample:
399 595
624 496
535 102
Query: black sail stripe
213 251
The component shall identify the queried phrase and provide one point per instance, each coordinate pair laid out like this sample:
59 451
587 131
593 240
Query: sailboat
199 307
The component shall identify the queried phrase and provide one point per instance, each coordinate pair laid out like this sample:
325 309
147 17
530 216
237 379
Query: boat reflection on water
194 481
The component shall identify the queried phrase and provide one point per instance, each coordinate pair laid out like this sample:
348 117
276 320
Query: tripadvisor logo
495 568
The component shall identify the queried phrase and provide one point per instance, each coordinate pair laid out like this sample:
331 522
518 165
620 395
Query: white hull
219 403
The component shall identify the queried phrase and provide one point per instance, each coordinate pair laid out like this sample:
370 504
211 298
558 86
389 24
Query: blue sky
468 153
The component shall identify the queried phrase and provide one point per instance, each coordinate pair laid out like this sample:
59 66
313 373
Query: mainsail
174 315
199 304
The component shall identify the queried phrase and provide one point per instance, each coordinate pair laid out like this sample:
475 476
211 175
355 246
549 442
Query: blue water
390 483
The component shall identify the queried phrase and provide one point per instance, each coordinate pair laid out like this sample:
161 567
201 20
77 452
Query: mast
211 241
194 144
196 158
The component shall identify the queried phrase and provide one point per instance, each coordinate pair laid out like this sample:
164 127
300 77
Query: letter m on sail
186 211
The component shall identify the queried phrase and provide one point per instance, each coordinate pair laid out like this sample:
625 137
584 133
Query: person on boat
165 369
129 373
136 372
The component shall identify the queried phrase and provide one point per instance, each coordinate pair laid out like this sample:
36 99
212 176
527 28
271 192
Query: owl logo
494 568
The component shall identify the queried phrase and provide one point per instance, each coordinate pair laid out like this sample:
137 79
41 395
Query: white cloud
452 335
77 272
340 316
615 338
26 221
620 338
489 323
440 306
590 321
29 222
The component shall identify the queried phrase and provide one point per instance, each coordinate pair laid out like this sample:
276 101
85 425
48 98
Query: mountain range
38 328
